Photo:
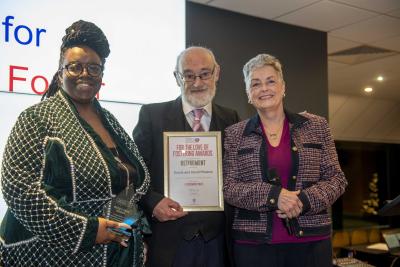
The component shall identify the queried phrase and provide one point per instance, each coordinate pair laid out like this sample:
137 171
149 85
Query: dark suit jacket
154 119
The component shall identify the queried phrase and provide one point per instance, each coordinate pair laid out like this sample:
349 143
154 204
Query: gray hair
260 61
178 59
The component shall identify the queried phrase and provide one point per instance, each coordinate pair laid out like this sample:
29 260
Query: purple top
279 158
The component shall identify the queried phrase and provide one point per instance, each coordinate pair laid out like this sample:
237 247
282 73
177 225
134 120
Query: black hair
79 33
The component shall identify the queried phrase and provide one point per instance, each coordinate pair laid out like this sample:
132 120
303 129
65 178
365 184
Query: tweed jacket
254 191
49 145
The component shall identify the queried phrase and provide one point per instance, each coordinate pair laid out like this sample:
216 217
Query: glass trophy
122 210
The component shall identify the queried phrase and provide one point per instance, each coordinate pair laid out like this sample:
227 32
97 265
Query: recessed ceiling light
379 78
368 89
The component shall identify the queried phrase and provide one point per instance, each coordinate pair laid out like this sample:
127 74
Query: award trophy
124 211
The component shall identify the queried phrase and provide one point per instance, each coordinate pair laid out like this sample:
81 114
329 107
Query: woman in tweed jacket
281 174
65 159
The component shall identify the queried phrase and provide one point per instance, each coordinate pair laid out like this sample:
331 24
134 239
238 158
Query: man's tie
198 113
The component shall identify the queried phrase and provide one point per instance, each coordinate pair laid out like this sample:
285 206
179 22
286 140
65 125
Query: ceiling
353 114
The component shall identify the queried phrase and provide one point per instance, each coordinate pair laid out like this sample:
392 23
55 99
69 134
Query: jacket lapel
175 119
217 119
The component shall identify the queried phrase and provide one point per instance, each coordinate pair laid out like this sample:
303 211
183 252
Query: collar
187 108
253 125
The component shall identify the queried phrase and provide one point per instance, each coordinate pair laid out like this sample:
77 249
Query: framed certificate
193 170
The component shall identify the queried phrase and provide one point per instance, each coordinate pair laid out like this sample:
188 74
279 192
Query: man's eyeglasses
190 77
76 68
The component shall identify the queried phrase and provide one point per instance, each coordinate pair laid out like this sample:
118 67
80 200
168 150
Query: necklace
273 136
119 161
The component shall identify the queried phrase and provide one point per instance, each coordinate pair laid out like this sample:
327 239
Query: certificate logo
192 140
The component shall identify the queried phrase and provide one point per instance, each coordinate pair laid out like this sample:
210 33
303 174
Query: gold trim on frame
166 137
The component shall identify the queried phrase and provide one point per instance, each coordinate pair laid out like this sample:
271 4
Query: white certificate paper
193 170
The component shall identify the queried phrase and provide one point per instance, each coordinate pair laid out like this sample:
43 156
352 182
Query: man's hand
145 249
167 210
289 205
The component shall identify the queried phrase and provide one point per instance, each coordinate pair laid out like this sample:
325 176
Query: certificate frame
176 177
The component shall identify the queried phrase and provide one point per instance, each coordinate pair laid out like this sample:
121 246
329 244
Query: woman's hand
289 205
105 236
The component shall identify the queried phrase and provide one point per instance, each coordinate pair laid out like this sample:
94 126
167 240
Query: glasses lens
94 69
205 75
74 69
189 77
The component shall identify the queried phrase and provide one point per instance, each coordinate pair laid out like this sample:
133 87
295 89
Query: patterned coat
251 189
49 142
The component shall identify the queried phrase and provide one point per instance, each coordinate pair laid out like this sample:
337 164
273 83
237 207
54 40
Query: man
182 239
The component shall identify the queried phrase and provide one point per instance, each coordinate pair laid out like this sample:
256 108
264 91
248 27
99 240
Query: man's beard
196 100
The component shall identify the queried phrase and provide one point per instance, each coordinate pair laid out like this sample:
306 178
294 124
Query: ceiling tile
200 1
353 79
382 6
389 43
336 66
359 119
369 118
360 54
394 133
262 8
370 30
336 44
335 102
347 114
326 16
385 126
395 13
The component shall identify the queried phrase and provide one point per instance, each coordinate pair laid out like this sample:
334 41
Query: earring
284 94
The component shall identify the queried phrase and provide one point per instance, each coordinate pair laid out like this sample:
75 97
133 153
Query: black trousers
200 253
312 254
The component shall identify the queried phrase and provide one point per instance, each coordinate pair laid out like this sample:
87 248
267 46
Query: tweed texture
318 176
